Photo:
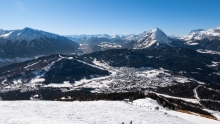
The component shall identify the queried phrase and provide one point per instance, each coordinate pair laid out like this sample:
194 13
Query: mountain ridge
26 33
201 34
137 36
28 43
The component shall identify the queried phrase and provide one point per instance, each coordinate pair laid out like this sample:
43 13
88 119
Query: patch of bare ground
202 115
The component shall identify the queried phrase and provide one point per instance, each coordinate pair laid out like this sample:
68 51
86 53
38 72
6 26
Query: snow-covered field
142 111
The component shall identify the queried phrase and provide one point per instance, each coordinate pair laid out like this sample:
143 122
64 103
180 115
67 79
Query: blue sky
66 17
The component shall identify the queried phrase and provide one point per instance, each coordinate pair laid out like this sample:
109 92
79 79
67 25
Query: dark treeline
101 96
184 90
80 95
162 101
211 105
176 104
206 93
44 94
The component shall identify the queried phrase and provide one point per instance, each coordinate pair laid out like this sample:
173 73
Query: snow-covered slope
201 34
151 37
93 112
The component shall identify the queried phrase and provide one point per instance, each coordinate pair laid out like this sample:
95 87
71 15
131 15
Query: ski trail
195 93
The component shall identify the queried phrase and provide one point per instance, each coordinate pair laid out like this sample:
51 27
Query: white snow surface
94 112
64 84
151 37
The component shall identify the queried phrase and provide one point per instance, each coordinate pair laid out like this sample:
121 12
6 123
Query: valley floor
141 111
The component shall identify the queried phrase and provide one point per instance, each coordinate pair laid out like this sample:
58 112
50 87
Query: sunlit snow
94 112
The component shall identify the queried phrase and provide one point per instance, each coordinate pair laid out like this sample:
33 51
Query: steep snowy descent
152 37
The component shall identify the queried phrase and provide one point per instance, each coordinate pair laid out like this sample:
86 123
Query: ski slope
93 112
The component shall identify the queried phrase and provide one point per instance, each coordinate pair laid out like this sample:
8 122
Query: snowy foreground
95 112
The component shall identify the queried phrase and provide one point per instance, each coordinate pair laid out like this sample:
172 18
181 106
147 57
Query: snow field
94 112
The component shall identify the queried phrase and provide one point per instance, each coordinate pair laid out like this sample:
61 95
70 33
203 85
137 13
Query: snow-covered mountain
152 37
201 34
30 42
202 39
27 34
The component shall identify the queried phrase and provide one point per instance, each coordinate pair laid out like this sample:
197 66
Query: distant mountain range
196 39
198 34
201 34
28 43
